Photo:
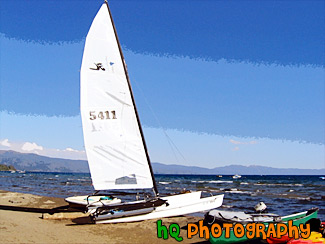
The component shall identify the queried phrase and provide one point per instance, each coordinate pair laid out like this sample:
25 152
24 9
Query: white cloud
32 147
68 149
242 143
5 143
68 153
27 146
235 142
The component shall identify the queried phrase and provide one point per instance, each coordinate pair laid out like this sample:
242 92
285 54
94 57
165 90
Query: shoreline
30 227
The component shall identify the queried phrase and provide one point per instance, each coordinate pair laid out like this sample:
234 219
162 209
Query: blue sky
232 82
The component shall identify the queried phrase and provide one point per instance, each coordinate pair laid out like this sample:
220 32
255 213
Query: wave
276 184
235 190
213 181
226 206
164 182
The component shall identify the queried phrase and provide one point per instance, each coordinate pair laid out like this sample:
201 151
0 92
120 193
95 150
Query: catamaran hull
82 202
177 205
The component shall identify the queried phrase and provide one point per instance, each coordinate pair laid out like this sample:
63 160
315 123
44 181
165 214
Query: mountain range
35 162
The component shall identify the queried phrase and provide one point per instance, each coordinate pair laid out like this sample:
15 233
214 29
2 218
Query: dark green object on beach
297 219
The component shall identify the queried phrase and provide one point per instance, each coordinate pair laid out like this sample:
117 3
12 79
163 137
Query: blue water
282 194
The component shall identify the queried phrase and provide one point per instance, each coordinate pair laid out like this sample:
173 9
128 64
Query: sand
29 227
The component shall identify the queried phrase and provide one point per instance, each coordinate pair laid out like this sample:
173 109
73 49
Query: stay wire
169 140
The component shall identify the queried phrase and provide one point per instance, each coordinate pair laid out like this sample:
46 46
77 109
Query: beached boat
114 142
314 238
317 235
222 217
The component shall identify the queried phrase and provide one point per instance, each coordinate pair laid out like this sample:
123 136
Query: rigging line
155 188
169 140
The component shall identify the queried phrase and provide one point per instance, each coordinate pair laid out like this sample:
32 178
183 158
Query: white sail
113 140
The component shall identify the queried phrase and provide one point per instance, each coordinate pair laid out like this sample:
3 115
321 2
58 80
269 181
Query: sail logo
99 66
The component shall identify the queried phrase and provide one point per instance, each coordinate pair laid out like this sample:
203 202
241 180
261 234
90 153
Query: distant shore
37 163
4 167
29 227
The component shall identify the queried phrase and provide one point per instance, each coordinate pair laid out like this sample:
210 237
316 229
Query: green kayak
269 222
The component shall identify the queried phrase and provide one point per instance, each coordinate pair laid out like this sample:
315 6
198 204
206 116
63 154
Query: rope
169 140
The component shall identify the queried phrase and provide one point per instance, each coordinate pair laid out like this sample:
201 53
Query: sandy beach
29 227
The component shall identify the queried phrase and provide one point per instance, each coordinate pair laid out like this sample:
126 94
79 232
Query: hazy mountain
34 162
232 169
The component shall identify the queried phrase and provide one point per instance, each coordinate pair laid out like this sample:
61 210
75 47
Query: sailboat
116 150
236 176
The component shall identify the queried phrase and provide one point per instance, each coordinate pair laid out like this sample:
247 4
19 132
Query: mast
155 189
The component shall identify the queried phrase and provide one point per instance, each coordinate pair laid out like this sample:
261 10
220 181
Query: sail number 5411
102 115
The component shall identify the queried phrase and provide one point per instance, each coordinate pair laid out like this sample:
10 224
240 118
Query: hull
236 177
82 202
177 205
299 218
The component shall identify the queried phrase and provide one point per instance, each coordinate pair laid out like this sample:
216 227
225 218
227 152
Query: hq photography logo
250 231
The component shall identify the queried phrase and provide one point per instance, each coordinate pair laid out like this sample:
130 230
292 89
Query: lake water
282 194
